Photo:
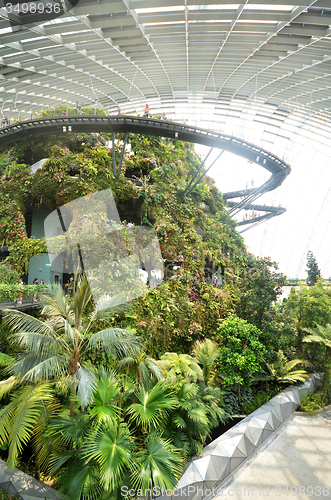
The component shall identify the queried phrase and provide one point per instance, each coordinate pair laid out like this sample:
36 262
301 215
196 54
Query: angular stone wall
223 455
23 486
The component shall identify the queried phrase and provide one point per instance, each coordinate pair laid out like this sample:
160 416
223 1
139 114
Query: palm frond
105 307
6 360
86 385
28 407
18 321
55 304
34 368
38 343
6 416
8 385
110 447
159 464
43 444
103 407
116 341
153 405
82 297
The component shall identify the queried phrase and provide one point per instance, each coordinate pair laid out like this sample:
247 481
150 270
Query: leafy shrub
8 275
312 402
259 399
5 496
241 354
234 405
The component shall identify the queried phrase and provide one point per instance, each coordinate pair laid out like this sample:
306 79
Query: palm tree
322 335
104 451
206 353
54 350
199 410
199 406
145 367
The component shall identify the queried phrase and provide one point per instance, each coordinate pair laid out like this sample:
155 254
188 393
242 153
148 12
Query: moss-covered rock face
193 230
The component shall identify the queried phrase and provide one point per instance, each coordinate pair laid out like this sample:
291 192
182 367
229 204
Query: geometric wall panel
23 486
223 455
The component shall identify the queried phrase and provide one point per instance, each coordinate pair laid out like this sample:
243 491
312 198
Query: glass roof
259 69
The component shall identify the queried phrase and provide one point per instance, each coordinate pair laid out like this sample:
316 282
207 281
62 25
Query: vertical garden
97 395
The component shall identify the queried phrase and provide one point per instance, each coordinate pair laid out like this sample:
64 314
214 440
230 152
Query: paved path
296 464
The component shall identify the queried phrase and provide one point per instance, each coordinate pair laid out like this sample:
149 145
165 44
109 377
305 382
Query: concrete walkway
293 464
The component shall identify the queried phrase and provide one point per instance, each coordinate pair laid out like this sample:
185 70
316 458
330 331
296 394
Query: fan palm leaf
103 407
110 447
152 406
159 464
81 481
70 430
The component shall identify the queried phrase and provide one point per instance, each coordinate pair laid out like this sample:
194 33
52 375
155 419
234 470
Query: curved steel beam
148 126
151 126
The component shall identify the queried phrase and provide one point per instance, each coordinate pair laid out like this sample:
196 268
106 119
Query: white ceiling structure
258 69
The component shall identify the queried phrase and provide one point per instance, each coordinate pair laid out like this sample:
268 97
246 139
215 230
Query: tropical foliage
103 396
322 335
286 372
241 354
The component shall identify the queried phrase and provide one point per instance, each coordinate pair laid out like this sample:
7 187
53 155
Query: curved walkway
164 128
296 463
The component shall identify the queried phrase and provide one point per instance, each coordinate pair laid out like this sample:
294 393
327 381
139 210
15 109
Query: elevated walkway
150 126
27 305
295 463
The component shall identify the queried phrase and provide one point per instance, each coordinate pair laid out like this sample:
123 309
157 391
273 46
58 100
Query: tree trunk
327 375
300 337
72 396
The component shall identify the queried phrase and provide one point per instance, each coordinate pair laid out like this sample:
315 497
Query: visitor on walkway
163 117
146 111
119 111
35 282
21 293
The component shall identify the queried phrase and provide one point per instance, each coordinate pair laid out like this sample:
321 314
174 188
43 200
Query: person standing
35 282
21 293
146 111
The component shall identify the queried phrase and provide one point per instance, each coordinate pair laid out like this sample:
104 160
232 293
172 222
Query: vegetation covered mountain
127 395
